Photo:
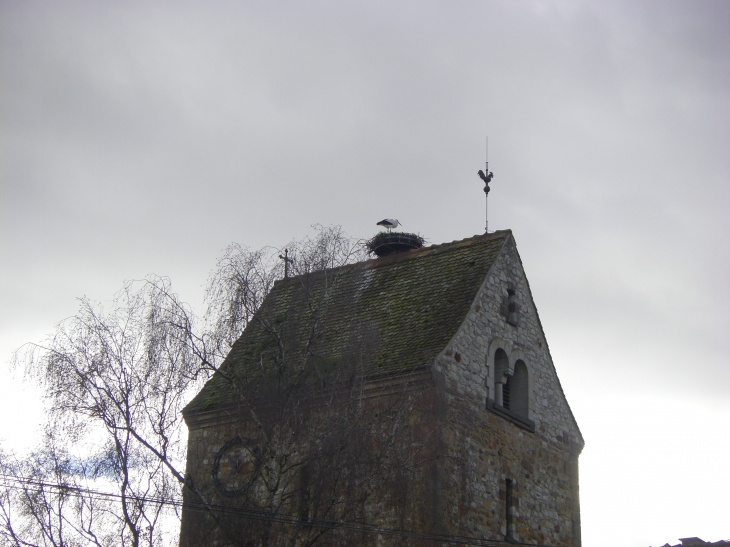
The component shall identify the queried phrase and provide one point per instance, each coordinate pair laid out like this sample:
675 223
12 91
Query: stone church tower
469 435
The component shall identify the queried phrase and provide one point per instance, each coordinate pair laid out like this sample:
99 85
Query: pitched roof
392 313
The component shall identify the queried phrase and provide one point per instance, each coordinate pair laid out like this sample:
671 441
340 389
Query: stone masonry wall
414 503
485 449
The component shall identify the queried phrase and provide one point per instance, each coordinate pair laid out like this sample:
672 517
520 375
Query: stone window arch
498 364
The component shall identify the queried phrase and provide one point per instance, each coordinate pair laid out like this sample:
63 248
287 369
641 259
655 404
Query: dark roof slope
392 313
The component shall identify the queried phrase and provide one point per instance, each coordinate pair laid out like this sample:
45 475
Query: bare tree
40 502
242 279
116 381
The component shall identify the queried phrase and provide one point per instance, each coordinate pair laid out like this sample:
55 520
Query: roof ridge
406 255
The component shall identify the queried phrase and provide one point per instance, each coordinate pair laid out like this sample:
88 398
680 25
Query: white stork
389 223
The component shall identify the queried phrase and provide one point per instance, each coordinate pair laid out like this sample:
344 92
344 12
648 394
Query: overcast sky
144 137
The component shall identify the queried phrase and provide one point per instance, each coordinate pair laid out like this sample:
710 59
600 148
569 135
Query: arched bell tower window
515 392
510 383
501 370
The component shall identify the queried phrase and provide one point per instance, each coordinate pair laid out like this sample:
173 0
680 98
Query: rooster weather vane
487 178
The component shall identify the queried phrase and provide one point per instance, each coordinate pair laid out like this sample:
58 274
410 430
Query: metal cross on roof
287 261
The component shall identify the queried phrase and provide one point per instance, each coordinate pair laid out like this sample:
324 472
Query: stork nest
384 243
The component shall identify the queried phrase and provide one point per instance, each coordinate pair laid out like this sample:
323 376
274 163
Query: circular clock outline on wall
237 466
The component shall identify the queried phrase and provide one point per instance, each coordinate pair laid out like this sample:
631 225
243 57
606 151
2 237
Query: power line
256 514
